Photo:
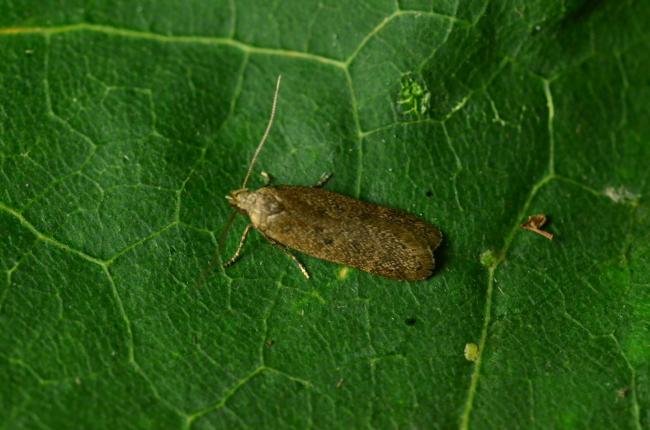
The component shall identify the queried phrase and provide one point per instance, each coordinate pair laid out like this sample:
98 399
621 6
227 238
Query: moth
334 227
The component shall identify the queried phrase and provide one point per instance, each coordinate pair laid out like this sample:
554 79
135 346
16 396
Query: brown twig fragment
535 223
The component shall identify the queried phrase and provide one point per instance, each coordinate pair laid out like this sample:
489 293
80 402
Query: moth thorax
259 205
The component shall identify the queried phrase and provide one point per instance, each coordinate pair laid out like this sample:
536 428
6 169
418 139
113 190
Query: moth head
240 199
262 202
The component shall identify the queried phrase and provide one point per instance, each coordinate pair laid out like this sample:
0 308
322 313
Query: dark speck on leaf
623 392
410 321
429 193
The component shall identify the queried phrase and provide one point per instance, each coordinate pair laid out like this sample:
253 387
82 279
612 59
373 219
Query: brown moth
337 228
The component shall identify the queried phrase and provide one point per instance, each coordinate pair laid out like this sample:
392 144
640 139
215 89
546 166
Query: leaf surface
123 126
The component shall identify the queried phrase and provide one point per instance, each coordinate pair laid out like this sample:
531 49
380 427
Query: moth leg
298 263
267 178
235 257
293 257
324 178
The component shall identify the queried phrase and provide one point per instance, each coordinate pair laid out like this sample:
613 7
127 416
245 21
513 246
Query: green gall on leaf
414 97
471 351
488 258
343 273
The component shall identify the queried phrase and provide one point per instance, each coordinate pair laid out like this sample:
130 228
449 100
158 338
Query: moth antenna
224 232
266 132
221 242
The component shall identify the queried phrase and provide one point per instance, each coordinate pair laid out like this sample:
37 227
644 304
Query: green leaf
123 125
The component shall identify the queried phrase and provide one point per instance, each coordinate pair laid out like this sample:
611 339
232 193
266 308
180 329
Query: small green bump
489 258
471 351
414 97
343 273
622 195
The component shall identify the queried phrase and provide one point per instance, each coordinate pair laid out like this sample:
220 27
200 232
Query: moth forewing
337 228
